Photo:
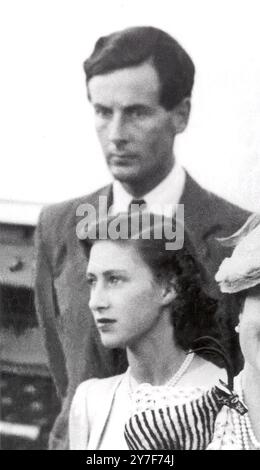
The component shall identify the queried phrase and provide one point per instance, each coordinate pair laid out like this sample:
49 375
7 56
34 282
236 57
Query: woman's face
125 299
249 332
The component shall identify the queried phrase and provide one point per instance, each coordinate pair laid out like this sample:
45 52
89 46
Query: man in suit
139 82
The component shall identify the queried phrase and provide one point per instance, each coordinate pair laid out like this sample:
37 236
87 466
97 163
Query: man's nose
98 299
118 130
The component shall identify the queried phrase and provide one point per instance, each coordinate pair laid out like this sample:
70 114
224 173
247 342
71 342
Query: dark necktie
137 205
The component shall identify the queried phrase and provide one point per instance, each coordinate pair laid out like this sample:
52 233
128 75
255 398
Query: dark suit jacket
72 342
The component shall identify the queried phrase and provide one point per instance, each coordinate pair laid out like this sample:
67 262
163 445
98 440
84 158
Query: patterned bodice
165 417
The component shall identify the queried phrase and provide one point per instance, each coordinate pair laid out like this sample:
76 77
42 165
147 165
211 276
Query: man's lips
122 157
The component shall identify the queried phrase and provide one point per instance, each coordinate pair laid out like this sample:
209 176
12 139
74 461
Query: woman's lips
105 324
105 320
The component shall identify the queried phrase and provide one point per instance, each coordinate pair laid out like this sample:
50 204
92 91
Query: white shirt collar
167 194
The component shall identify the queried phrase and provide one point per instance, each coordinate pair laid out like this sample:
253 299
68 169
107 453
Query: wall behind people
49 148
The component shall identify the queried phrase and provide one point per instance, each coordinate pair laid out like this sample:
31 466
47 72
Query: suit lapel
202 224
93 208
195 200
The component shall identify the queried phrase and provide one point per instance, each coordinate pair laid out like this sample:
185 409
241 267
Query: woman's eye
91 281
114 280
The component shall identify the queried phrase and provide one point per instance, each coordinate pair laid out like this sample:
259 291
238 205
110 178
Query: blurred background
49 151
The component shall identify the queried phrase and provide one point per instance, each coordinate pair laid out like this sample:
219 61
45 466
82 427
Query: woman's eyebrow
108 272
115 271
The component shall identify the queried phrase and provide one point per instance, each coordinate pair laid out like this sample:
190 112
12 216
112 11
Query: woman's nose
98 298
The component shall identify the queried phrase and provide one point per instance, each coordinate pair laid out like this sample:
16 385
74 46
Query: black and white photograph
130 227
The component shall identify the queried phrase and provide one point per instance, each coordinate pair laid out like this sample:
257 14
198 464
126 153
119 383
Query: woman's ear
169 292
237 327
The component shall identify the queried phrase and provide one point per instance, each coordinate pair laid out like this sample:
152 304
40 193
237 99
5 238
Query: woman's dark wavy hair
193 312
134 46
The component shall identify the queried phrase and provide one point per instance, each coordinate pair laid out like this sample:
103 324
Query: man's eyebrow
131 107
100 106
137 106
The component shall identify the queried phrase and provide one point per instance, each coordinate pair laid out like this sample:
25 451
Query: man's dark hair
134 46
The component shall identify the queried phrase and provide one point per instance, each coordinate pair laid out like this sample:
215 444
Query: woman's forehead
106 255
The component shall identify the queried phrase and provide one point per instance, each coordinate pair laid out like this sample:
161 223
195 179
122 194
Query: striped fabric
186 424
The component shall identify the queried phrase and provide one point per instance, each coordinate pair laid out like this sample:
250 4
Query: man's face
136 133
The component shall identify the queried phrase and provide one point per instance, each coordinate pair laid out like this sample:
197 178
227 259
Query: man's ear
168 292
180 115
88 93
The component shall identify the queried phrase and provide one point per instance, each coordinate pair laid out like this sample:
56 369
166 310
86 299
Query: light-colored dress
101 408
98 413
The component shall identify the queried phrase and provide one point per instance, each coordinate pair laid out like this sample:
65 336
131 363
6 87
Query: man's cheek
102 135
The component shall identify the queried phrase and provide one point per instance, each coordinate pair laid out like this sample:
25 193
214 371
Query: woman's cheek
250 340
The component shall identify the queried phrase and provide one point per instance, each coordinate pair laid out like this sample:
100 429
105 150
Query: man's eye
137 113
103 112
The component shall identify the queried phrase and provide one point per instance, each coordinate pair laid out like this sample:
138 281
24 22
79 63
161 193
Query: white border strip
19 213
26 431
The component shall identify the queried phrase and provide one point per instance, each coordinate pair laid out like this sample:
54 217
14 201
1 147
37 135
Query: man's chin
124 175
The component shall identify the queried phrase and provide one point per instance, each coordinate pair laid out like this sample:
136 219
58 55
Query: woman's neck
155 359
251 390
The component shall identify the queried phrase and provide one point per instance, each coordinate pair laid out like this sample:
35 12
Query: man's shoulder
208 206
223 207
63 213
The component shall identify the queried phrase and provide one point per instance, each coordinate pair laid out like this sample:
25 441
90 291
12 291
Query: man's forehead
125 87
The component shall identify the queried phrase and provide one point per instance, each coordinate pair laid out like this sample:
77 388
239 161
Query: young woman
241 274
148 300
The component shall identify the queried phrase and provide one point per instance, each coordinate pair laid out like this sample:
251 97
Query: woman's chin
112 343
